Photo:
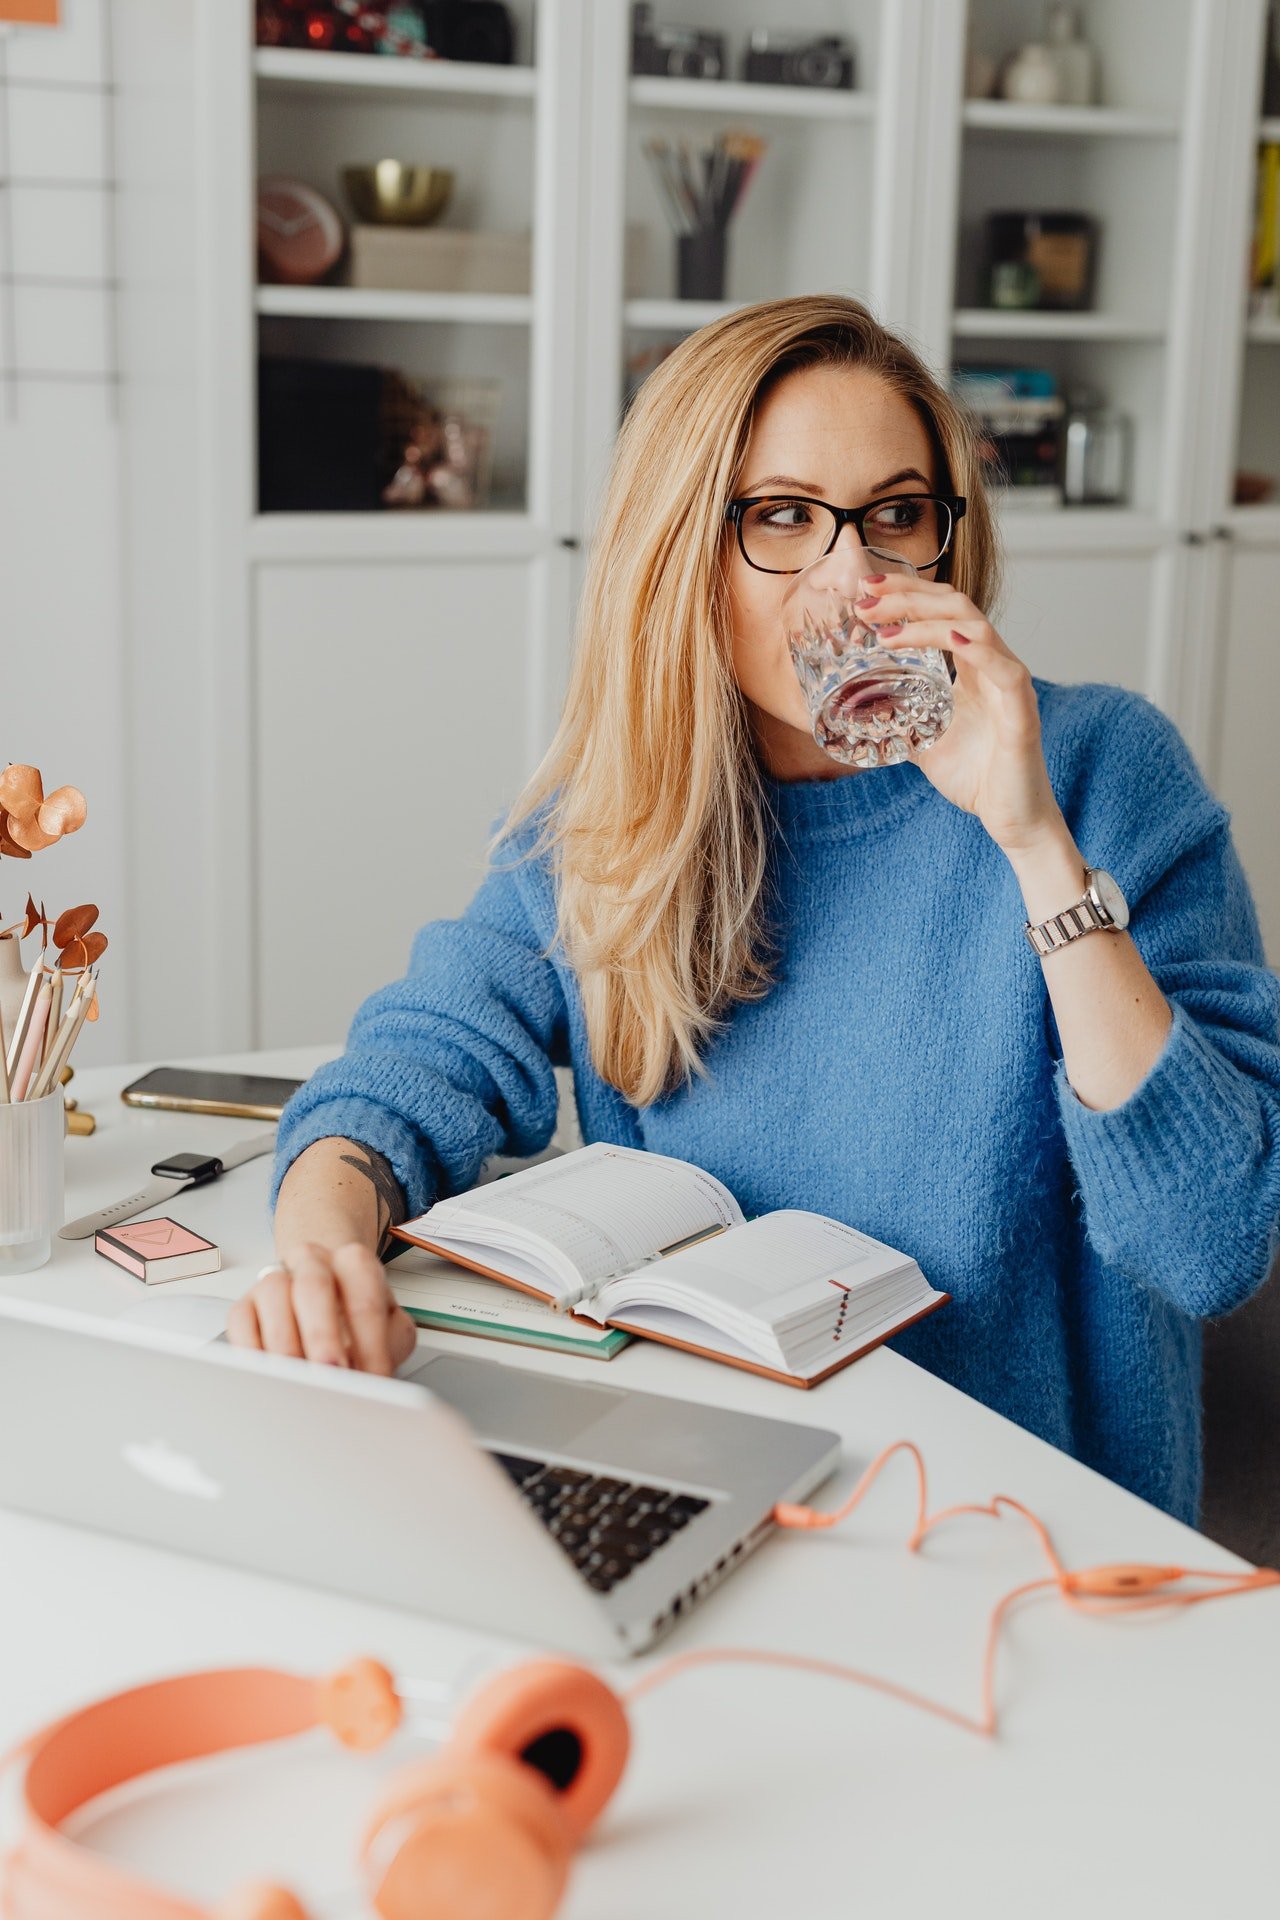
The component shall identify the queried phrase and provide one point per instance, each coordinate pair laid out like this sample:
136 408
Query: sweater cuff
1191 1112
373 1125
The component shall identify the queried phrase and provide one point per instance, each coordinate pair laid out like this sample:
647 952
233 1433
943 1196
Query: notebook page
768 1270
607 1208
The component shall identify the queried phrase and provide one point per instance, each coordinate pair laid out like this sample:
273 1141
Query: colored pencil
73 1020
33 1042
19 1033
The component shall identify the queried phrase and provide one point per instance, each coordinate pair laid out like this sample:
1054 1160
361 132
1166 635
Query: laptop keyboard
607 1527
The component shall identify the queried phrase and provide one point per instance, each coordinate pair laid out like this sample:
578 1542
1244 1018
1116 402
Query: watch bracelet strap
250 1149
160 1188
1060 929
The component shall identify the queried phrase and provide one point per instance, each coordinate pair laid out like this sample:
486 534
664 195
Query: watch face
1110 897
181 1166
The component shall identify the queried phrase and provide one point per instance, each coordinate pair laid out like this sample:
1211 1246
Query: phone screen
197 1089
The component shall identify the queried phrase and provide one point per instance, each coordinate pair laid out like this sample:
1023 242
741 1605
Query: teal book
437 1294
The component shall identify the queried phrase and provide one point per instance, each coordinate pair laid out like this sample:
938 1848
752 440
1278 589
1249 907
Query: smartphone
196 1090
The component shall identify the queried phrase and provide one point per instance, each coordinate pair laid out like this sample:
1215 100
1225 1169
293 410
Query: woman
813 980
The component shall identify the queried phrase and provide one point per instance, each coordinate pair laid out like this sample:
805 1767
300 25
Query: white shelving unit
393 676
358 74
987 323
1011 116
372 303
741 99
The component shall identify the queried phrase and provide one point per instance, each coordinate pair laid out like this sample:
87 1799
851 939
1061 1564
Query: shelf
1256 526
394 535
365 73
1265 333
1077 529
1269 129
1010 323
737 97
1011 116
382 303
676 316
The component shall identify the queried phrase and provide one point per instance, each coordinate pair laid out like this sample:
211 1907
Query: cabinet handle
1224 533
569 540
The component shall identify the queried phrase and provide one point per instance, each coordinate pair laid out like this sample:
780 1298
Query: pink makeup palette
162 1249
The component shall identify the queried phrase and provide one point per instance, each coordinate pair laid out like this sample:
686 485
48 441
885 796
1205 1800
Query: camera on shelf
685 53
797 60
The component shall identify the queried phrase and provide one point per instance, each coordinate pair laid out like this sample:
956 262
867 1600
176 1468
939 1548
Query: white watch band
162 1187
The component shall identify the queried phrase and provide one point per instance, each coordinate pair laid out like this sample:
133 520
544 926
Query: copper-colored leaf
21 791
32 917
92 948
9 846
65 811
29 834
72 924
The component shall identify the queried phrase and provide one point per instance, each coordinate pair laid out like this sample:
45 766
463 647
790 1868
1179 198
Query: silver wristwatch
1103 909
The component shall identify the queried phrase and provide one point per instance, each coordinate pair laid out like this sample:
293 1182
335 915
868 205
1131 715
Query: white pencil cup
31 1193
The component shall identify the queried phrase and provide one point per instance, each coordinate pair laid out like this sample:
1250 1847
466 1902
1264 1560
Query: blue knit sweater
904 1075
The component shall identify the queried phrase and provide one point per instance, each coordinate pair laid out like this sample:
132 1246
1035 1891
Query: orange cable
1097 1591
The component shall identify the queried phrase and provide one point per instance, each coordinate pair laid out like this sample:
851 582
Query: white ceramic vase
13 984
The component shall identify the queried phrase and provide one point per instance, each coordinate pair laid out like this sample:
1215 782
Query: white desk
1137 1763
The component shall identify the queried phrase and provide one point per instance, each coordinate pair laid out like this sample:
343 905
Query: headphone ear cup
480 1838
561 1721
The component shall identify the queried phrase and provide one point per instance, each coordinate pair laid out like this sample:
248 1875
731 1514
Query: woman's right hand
330 1304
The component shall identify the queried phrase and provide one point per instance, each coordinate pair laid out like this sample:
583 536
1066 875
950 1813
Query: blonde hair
654 816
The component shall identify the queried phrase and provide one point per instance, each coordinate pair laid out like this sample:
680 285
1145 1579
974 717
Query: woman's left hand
990 760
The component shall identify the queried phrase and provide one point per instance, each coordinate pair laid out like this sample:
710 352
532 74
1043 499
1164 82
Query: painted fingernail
874 579
866 600
894 626
960 639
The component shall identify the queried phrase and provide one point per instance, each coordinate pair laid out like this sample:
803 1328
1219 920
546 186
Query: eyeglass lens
782 536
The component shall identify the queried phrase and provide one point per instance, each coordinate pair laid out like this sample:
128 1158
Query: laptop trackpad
506 1403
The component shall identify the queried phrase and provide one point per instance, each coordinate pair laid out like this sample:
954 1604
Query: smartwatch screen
195 1167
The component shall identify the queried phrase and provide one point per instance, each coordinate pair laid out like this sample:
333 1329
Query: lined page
608 1209
771 1268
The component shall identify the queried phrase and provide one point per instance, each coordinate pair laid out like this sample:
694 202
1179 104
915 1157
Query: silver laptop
584 1516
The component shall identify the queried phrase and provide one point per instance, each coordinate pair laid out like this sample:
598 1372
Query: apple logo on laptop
176 1472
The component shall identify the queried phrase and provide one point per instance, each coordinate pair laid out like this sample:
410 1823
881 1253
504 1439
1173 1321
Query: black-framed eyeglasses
783 533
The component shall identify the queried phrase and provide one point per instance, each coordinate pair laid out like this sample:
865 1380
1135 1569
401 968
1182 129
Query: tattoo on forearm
391 1206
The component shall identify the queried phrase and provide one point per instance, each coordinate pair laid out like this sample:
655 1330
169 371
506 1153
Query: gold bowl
391 194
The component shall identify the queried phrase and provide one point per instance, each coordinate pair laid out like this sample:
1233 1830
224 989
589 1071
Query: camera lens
818 67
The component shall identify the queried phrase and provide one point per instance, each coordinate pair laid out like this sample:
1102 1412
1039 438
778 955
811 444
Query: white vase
13 984
1031 77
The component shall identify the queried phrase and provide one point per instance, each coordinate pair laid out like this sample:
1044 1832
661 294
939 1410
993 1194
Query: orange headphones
485 1829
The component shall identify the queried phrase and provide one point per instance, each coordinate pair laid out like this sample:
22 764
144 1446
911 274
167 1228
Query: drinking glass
869 704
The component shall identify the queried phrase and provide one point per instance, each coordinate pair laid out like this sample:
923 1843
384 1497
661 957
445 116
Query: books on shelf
646 1244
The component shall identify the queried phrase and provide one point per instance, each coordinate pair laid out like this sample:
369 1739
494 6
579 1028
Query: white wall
62 703
100 676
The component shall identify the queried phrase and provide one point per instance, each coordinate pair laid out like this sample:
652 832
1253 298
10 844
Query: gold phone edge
181 1103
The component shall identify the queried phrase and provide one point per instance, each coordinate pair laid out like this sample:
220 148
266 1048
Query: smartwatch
169 1176
193 1169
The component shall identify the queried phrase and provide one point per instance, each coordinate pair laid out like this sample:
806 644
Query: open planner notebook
656 1246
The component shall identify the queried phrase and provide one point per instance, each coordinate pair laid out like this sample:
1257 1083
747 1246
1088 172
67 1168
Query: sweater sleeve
452 1063
1181 1183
